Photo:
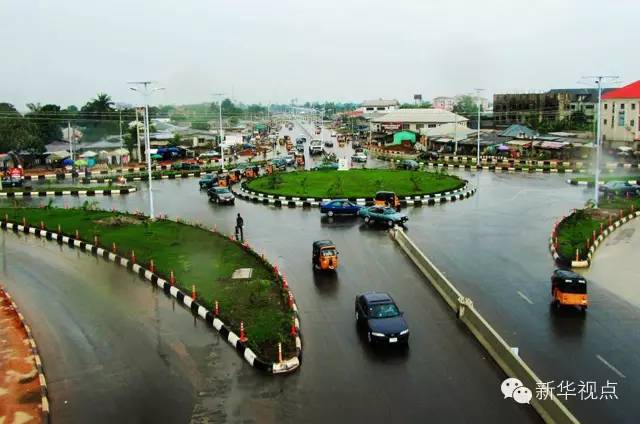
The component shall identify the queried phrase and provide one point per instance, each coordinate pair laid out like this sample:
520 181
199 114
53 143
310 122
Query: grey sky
65 52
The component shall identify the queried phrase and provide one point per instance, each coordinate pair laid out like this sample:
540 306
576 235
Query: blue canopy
67 161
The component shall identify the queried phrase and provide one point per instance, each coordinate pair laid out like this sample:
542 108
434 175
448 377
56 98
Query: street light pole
598 140
145 91
478 90
220 127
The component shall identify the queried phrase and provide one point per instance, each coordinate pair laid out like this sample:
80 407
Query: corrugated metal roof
380 103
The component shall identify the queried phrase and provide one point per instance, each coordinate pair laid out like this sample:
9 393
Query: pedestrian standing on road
239 228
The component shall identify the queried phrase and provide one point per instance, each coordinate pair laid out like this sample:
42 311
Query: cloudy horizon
272 52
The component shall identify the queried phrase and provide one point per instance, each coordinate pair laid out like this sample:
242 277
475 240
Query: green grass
196 256
576 229
591 178
49 187
354 183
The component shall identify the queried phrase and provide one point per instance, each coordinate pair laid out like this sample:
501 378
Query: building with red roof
620 116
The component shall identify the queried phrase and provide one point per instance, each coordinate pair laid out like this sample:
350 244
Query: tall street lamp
219 95
478 90
145 89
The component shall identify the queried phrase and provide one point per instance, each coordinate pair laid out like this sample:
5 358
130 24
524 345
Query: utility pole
70 139
139 154
478 90
121 142
220 135
598 140
145 90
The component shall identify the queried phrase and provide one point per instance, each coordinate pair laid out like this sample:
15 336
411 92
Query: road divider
461 193
551 410
54 191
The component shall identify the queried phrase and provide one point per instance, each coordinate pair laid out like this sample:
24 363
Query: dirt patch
602 214
120 221
19 386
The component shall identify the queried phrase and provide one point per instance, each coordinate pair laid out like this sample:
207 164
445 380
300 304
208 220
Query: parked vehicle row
620 188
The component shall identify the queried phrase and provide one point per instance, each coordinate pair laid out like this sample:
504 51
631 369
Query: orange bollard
594 235
587 244
294 330
77 235
152 266
601 228
41 225
172 278
193 292
284 283
577 255
113 247
216 309
133 257
290 300
243 337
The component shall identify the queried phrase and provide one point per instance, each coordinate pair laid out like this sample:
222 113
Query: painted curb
574 181
54 192
592 249
286 366
461 193
44 392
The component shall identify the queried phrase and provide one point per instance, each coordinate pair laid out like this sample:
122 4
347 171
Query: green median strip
197 256
354 183
575 232
606 178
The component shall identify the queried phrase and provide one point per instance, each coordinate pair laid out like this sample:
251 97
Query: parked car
279 163
382 215
378 315
207 181
12 181
339 207
408 164
620 188
300 148
324 166
315 147
328 143
290 159
301 140
359 157
431 155
209 154
221 195
186 166
356 144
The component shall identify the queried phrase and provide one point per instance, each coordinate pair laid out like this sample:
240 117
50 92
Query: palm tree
102 103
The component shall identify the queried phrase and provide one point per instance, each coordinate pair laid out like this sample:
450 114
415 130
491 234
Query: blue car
379 316
339 207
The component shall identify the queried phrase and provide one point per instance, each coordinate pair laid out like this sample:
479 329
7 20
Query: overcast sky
275 50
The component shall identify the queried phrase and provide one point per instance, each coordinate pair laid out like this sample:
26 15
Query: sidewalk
20 397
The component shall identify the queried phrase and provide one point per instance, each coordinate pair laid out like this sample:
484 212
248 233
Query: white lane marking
614 369
522 295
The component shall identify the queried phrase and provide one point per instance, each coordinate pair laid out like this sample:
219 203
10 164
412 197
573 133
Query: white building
621 115
380 105
415 120
443 102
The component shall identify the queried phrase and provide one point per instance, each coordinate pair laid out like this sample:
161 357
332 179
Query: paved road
443 374
115 350
494 246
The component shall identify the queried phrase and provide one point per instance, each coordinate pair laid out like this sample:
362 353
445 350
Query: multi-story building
553 105
379 105
621 115
443 102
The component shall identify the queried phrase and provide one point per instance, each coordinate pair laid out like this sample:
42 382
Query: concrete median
551 410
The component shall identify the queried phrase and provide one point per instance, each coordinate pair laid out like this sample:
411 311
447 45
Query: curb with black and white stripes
574 181
492 167
553 239
308 202
286 366
88 192
44 400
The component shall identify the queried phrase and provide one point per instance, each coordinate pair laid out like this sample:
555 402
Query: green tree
422 105
200 125
46 121
175 141
466 106
16 132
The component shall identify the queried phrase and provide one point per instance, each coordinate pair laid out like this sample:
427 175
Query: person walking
239 228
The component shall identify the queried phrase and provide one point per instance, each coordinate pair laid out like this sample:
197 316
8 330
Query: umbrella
88 154
121 152
60 154
156 156
81 162
503 148
67 161
103 154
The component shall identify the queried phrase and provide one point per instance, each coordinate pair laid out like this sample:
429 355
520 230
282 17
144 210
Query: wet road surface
443 374
494 246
